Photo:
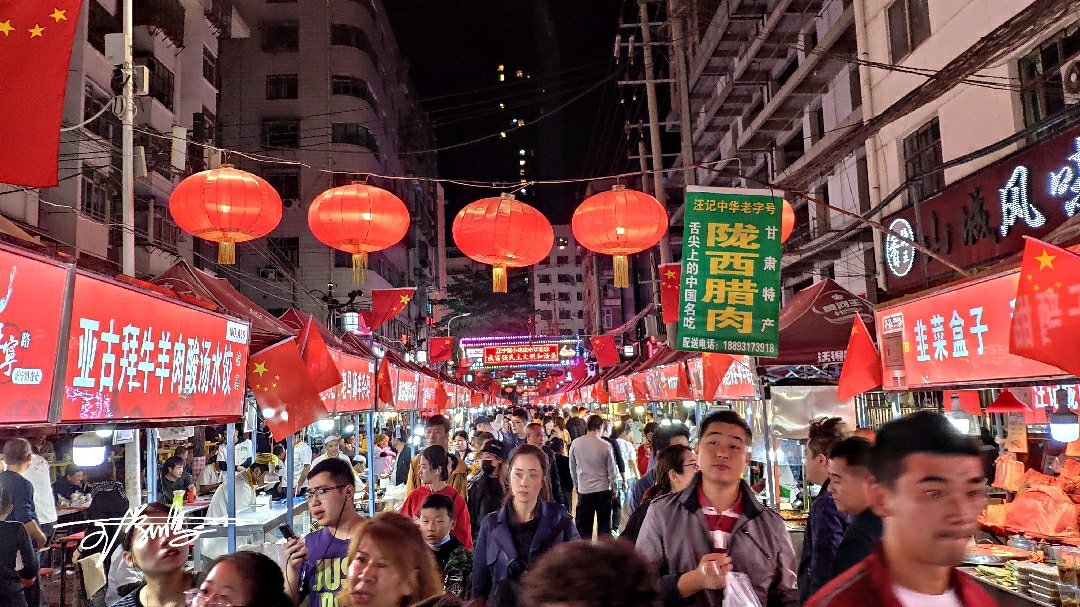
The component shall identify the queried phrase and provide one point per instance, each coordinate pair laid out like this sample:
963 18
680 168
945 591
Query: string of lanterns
228 205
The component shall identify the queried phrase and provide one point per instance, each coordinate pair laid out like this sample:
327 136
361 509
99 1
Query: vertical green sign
729 299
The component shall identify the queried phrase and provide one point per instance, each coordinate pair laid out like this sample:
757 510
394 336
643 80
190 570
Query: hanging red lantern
358 219
226 206
504 233
787 221
620 222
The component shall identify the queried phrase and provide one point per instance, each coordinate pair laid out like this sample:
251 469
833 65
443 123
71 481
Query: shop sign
986 215
730 290
31 310
739 381
356 390
132 355
959 336
406 390
619 388
521 355
427 392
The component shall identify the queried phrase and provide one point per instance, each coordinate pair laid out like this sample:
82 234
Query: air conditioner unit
1070 79
268 273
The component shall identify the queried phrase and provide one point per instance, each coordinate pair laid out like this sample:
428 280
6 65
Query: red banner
738 381
406 389
620 388
31 309
521 355
356 391
134 356
958 336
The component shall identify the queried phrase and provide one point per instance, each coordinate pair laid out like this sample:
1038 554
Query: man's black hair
340 472
854 450
595 422
439 501
920 432
650 427
724 417
825 432
438 420
171 463
521 414
662 437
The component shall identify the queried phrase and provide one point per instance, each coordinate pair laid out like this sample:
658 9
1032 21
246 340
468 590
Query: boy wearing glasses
317 563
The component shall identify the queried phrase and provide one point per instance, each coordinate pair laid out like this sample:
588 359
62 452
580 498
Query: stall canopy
816 323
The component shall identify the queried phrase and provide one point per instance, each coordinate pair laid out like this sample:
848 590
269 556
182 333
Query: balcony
167 16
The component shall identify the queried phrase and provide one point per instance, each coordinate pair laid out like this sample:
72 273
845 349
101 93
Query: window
281 132
545 279
162 80
1040 76
353 87
565 278
608 318
909 26
578 277
564 314
580 296
564 296
107 125
581 314
369 5
545 297
353 134
209 66
285 251
282 86
922 155
94 202
281 37
545 314
562 260
287 186
350 35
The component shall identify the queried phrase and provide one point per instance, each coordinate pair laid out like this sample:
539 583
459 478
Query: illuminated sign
900 254
521 354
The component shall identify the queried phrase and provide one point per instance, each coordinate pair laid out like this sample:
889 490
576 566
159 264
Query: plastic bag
1008 473
739 592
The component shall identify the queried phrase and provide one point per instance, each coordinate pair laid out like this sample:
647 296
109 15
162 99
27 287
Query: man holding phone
714 527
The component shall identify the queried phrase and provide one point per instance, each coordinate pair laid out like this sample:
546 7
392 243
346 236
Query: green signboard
729 299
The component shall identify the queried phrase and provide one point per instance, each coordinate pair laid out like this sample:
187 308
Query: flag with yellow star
386 304
1046 316
36 39
284 390
670 280
862 363
607 355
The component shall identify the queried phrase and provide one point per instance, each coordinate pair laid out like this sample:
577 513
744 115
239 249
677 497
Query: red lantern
787 221
358 219
620 222
504 233
227 206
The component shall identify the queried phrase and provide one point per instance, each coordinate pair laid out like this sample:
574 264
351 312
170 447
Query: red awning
295 320
816 324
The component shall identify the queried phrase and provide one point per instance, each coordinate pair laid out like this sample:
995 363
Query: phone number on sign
752 347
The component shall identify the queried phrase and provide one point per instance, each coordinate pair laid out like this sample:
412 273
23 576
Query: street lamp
453 318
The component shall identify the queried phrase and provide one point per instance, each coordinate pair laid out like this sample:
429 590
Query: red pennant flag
35 49
386 304
320 363
289 399
639 386
1045 325
670 281
602 395
383 385
607 355
440 349
714 366
476 398
441 400
862 364
682 390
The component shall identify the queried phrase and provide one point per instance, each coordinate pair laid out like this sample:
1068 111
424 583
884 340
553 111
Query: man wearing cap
247 481
483 424
332 445
486 492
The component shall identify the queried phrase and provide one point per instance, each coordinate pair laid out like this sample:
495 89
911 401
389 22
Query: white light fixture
1064 425
88 450
689 404
418 431
325 425
268 413
665 422
349 429
416 441
421 357
639 409
956 416
104 432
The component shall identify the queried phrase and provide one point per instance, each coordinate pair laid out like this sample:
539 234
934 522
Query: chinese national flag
1046 321
714 365
440 349
862 364
682 390
320 364
670 281
476 398
386 304
283 389
384 387
602 395
441 399
607 355
35 49
639 386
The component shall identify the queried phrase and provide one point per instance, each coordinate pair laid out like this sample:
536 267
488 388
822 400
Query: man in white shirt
332 449
211 476
44 500
301 462
246 483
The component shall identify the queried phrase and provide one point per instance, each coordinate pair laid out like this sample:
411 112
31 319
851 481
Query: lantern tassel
226 253
359 268
498 279
622 271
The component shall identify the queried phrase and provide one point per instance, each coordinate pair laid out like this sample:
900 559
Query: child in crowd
455 561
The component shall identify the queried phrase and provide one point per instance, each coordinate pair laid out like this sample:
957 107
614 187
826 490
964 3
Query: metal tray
994 555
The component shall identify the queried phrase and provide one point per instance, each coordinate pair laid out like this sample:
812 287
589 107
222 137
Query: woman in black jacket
564 483
486 492
675 469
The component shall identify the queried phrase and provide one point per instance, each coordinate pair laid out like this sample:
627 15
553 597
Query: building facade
558 287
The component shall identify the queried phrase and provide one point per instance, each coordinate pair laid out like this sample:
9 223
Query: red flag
476 398
441 398
386 304
383 385
639 386
1045 323
607 355
440 349
714 365
35 50
320 363
682 390
862 364
602 395
670 281
283 389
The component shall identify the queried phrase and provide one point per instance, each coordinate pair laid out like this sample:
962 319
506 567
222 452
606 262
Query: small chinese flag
862 364
607 355
1045 323
320 363
670 282
640 387
35 48
386 304
440 349
714 365
441 399
682 390
284 390
384 387
476 398
602 395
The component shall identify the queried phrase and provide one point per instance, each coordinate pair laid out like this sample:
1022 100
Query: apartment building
558 287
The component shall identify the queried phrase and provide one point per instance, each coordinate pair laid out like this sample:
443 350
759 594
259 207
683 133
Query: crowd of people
487 521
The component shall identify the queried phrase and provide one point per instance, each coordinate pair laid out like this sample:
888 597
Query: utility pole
132 463
676 13
654 141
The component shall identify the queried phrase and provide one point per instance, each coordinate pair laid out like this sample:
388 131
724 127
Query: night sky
454 47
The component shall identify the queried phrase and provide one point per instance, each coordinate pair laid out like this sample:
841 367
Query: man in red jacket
929 489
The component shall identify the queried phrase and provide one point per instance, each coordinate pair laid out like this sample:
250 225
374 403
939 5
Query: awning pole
369 422
290 482
230 484
151 466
